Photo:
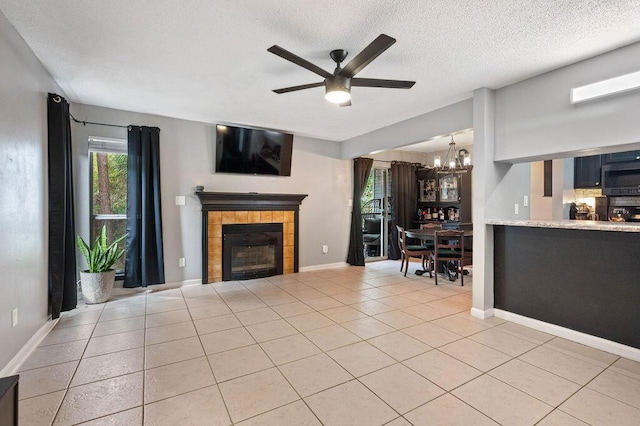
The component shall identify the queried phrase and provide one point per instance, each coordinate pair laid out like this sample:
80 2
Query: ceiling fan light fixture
338 84
338 96
338 89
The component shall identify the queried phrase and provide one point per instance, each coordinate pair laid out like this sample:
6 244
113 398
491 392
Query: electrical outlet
516 208
180 200
14 317
325 249
181 262
525 202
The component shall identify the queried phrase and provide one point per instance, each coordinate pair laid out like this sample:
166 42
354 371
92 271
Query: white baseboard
324 266
573 335
480 314
171 285
192 282
13 366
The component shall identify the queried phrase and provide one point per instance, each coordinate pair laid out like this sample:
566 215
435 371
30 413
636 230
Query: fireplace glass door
251 251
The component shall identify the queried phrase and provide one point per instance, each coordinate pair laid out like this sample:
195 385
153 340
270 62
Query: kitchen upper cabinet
621 157
587 171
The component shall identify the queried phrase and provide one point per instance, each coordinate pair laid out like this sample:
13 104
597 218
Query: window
108 166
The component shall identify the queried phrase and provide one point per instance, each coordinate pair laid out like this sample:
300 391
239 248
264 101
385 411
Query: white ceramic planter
96 287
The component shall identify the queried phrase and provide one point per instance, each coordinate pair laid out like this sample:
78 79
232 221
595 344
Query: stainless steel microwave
621 179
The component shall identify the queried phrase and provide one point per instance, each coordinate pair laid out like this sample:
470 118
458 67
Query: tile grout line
314 310
213 374
66 391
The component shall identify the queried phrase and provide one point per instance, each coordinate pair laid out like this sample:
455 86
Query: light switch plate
525 202
180 200
516 208
325 249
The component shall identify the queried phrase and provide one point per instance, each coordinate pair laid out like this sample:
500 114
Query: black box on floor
9 401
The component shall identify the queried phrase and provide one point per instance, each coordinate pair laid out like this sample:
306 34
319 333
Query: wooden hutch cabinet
448 195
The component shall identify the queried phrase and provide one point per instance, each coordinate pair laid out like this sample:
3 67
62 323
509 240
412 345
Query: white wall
536 121
399 155
186 155
541 206
23 190
443 121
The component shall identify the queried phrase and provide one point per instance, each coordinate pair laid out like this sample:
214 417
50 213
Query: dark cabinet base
583 280
9 401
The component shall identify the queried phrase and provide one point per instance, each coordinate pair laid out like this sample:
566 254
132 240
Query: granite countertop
587 225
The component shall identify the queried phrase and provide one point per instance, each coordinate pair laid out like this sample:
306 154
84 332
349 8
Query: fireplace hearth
220 209
251 251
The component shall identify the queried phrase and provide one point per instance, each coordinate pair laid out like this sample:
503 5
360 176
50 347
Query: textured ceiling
207 60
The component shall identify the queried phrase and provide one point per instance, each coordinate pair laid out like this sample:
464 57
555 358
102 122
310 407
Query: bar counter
587 225
582 275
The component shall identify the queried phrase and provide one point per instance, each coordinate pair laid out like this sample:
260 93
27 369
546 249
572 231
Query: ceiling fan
338 85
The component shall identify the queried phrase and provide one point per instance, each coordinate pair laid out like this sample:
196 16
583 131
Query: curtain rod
58 99
97 124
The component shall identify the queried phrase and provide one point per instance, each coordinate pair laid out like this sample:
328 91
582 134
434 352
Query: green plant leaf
101 256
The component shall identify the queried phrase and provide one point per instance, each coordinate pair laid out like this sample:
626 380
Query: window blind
100 144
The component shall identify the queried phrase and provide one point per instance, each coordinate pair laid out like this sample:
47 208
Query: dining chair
449 247
411 250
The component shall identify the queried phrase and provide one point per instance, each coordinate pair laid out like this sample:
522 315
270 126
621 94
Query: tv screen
253 151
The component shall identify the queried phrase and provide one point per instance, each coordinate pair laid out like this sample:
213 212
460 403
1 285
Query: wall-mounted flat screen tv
253 151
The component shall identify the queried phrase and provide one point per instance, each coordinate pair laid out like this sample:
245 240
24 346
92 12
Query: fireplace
251 251
220 209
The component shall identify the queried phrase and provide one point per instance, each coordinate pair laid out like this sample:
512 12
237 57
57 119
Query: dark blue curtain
361 169
144 263
62 250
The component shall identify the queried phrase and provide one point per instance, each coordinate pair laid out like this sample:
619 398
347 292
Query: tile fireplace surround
224 208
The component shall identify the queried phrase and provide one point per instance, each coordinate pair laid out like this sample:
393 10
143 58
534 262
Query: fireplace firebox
251 251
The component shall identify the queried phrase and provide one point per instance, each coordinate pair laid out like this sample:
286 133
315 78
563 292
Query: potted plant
97 281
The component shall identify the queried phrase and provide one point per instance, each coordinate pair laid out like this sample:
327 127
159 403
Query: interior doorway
375 214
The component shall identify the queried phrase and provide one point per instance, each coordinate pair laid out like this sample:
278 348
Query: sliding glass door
375 214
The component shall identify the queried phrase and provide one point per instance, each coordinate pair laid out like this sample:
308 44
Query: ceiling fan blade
368 54
301 87
376 82
285 54
345 104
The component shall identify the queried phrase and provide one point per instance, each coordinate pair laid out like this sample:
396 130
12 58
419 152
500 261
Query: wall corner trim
569 334
480 314
14 365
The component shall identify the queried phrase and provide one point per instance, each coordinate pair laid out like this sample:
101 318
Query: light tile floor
347 346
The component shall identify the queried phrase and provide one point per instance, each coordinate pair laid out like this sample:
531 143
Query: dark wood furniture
584 280
621 157
435 199
9 401
587 170
411 250
428 234
449 247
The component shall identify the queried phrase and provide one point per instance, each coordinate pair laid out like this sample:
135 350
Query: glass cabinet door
449 189
428 190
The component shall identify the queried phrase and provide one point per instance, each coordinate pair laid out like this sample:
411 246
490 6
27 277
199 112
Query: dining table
429 234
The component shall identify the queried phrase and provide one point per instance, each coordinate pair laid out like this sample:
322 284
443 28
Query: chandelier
454 162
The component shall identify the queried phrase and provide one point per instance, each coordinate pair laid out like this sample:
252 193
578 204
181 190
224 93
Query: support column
484 183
